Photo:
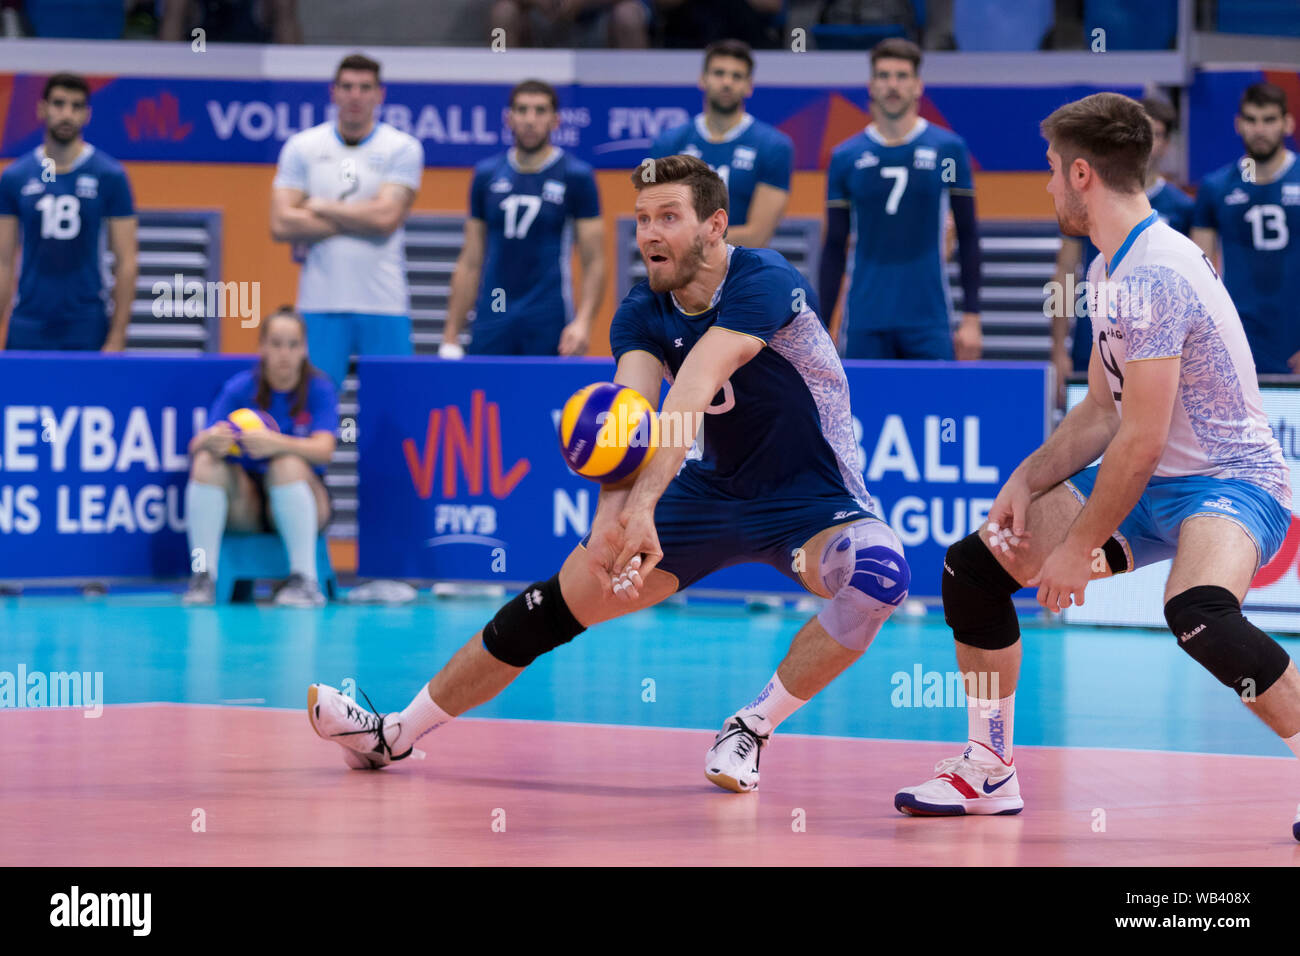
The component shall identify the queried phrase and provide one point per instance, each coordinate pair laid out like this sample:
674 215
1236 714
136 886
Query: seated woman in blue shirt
277 484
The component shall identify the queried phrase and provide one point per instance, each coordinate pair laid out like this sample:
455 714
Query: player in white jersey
345 189
1189 470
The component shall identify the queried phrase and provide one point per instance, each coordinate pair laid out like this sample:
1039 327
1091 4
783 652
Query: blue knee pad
864 570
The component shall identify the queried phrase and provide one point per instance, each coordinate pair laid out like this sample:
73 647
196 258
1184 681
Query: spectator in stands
345 188
1250 210
889 186
754 159
276 482
1077 252
694 24
574 23
231 21
63 197
524 206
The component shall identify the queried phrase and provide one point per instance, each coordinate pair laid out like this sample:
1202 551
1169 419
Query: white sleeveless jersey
352 273
1164 299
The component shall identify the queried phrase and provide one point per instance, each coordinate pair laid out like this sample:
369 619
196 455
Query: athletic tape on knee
863 568
977 596
1209 625
535 621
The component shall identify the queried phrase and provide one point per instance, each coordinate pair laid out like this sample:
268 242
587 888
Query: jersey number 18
60 216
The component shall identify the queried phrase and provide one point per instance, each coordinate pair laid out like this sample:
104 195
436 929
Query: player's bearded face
679 269
1262 132
64 117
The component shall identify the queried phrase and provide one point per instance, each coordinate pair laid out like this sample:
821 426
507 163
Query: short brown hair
736 49
1111 131
896 48
707 188
1264 94
357 61
1162 111
536 86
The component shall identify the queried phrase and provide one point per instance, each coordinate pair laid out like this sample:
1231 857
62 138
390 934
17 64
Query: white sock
1293 742
294 508
989 724
768 709
422 715
205 522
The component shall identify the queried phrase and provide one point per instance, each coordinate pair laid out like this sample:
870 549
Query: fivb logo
75 909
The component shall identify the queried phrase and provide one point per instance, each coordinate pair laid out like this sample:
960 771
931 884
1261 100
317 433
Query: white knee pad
863 568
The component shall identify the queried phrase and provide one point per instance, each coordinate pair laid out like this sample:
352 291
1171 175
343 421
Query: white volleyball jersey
1164 299
352 273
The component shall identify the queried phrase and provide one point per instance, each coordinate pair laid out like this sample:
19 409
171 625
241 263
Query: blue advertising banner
176 119
461 478
93 461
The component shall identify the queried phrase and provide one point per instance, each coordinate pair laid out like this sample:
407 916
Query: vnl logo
477 451
157 118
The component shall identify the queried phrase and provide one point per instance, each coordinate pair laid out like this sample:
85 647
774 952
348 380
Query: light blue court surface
1080 687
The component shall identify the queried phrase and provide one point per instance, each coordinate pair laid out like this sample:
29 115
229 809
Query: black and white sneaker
732 761
299 591
202 590
360 732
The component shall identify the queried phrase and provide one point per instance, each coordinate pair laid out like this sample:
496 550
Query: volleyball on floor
248 420
608 432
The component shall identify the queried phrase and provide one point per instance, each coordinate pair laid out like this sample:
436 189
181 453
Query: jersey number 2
60 216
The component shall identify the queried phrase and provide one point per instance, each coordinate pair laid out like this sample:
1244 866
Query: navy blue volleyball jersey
751 153
529 219
897 197
782 423
1259 233
63 218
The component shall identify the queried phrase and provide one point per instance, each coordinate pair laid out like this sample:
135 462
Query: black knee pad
533 622
977 596
1209 625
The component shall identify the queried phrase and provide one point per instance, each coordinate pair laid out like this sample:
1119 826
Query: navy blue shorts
72 335
701 533
515 338
928 343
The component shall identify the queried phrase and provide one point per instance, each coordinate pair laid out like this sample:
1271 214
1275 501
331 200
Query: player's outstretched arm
641 372
292 222
381 216
709 364
464 286
8 254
